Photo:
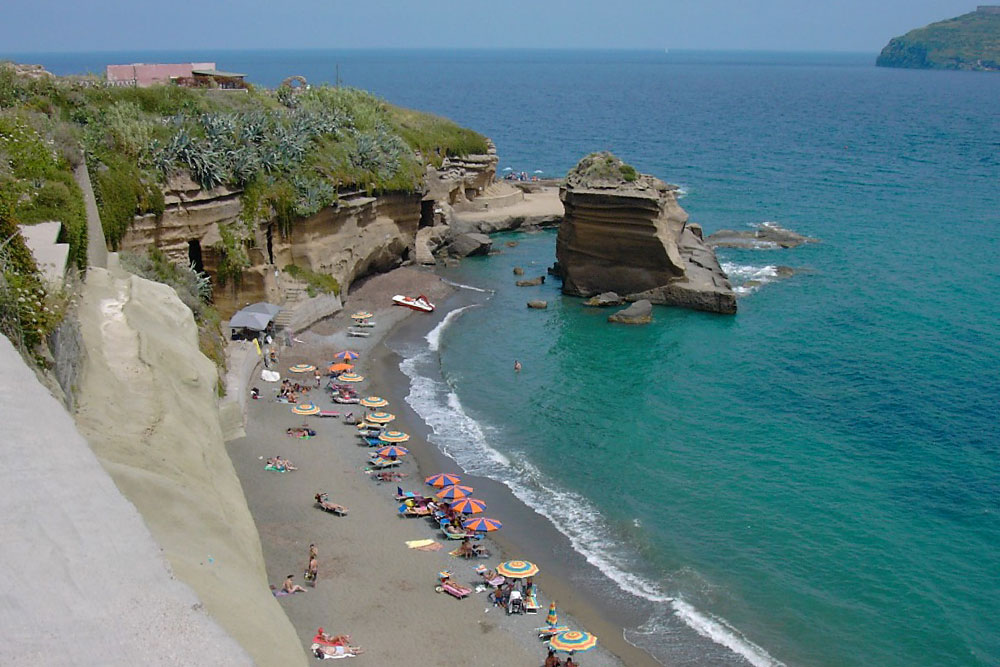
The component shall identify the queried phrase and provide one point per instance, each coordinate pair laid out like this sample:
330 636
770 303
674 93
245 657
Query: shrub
317 282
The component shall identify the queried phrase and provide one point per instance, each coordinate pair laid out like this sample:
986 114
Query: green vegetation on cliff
291 152
967 42
601 170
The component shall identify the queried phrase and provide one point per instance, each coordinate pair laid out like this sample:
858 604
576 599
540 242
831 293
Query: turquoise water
814 481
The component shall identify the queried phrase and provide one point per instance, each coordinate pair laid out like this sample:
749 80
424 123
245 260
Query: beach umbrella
443 479
346 355
374 402
340 368
482 524
454 492
302 368
380 417
351 377
469 506
517 569
361 315
573 640
393 436
552 619
392 452
306 409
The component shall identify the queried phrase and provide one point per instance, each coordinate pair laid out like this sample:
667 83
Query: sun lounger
381 464
358 334
451 588
497 581
366 324
460 536
327 413
550 630
531 601
416 510
408 495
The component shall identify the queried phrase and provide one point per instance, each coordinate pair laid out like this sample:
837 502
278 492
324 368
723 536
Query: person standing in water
517 366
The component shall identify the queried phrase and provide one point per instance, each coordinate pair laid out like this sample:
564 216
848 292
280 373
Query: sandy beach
370 584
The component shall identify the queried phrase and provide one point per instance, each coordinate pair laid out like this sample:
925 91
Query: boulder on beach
640 312
625 232
427 242
531 283
539 304
466 245
604 299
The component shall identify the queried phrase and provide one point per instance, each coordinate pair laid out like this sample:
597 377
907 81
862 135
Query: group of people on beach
290 391
552 660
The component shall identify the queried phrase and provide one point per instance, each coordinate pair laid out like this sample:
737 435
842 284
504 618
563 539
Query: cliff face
967 42
148 408
625 232
358 235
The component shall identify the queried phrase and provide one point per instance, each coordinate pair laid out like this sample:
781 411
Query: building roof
215 72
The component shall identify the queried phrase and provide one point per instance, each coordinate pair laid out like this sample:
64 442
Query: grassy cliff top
292 150
970 41
601 170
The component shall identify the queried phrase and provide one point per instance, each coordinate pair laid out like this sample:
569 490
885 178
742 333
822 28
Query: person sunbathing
452 529
552 660
466 550
321 650
389 476
290 586
324 504
323 638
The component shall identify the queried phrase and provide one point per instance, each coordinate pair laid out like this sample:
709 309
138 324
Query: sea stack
625 232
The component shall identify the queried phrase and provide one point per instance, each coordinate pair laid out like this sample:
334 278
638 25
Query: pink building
142 75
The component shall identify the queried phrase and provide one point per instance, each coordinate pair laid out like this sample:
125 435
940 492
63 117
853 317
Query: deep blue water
814 481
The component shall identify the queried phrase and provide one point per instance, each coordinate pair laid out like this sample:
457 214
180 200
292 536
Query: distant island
967 42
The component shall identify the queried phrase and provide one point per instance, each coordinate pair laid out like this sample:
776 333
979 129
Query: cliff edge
625 232
148 408
86 583
967 42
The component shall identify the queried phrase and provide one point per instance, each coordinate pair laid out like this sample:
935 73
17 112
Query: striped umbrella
380 417
552 620
468 506
306 409
443 479
392 452
517 569
351 377
454 492
374 402
361 315
302 368
482 524
346 355
573 640
340 368
393 436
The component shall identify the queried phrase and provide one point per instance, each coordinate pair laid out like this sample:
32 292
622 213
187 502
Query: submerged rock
625 232
640 312
540 305
518 271
768 235
604 299
531 283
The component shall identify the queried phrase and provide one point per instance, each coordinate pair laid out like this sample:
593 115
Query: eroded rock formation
625 232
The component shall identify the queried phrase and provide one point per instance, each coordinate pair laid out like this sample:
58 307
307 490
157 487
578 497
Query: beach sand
370 584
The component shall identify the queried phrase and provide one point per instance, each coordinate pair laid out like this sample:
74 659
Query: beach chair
453 589
531 601
497 580
327 413
550 631
358 334
382 464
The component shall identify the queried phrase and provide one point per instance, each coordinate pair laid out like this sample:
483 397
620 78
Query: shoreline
528 534
351 596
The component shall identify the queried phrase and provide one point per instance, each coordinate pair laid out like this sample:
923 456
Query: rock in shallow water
604 299
466 245
540 305
531 283
640 312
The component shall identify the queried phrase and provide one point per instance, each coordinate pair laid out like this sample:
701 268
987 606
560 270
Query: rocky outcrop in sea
625 232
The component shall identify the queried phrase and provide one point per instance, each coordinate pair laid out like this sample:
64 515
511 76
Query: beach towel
416 544
273 469
331 657
270 376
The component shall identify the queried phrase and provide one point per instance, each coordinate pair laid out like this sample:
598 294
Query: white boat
421 303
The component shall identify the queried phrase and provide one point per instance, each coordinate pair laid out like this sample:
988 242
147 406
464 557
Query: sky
771 25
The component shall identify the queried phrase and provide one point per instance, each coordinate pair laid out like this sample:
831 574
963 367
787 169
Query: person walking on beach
517 366
312 570
318 377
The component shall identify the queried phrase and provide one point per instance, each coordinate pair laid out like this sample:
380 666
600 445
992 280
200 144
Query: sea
813 481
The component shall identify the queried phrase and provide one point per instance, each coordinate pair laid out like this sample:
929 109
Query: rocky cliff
967 42
147 406
625 232
358 235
